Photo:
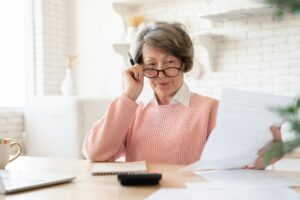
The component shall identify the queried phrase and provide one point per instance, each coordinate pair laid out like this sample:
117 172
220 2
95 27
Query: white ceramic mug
5 146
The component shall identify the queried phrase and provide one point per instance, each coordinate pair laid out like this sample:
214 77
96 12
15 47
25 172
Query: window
12 53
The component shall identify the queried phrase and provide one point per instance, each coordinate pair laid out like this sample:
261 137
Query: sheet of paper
208 191
242 128
249 178
169 194
225 163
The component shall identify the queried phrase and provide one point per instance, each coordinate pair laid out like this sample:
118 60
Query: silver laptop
13 181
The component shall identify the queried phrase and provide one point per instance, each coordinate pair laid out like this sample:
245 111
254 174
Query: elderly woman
170 128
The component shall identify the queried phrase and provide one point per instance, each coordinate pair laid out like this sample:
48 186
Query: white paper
225 163
242 129
249 178
169 194
209 191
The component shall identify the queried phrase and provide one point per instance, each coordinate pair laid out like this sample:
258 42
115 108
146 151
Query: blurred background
62 60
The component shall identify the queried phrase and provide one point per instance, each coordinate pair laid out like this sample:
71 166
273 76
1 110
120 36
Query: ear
183 69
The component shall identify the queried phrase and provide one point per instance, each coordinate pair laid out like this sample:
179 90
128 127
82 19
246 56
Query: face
163 86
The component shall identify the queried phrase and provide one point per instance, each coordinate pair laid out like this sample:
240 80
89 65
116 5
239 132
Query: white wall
99 67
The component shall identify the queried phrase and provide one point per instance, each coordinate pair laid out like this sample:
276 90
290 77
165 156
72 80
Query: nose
161 74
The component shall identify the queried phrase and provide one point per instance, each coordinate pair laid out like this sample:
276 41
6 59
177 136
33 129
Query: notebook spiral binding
116 173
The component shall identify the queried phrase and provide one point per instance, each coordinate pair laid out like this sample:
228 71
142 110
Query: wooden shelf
124 7
217 10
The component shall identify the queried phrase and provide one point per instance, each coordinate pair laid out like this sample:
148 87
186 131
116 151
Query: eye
170 63
151 65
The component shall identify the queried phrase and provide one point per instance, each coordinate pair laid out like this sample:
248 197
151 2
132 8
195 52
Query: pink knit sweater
166 134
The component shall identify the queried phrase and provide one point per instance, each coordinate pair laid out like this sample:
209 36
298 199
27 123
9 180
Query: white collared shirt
182 96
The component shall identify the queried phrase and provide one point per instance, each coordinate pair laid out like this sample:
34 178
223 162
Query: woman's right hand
134 78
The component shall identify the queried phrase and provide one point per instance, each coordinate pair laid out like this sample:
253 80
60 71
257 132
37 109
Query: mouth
164 84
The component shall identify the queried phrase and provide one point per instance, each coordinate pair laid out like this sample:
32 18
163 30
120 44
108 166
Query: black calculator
139 179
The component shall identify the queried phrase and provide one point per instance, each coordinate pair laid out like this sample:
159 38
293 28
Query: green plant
291 114
285 6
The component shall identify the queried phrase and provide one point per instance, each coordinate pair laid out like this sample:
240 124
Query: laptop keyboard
12 181
18 179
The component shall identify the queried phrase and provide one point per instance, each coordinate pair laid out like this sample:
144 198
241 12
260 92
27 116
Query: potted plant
291 114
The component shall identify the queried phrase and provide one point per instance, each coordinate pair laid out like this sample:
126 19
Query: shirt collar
182 96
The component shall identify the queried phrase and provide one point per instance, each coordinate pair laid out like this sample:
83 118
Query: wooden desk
90 187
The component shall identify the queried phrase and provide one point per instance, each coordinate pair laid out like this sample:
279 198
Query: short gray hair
168 37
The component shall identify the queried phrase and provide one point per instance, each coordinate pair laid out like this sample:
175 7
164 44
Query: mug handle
18 153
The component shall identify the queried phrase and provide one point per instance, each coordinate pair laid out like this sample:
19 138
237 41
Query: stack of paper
210 191
235 185
244 184
246 178
170 194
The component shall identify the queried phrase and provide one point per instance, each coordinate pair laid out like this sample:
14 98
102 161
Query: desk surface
89 187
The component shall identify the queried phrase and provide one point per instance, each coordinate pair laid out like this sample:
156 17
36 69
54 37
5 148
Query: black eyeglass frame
163 71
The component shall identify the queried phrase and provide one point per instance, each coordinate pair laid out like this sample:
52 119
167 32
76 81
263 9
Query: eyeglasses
169 72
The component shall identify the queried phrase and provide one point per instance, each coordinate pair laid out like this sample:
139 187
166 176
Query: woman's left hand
259 162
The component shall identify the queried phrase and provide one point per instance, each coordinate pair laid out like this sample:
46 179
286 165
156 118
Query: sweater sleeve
106 140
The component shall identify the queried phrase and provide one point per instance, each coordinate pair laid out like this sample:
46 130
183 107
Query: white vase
131 31
68 86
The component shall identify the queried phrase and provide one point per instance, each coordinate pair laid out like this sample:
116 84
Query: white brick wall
12 125
257 53
52 42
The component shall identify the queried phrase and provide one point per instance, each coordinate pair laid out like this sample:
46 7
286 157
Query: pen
130 59
131 62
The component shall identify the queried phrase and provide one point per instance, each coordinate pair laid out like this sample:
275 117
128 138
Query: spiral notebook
119 168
